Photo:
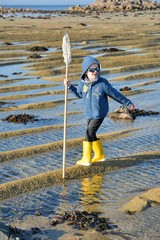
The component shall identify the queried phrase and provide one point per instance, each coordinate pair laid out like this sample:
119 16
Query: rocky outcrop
116 6
127 5
98 6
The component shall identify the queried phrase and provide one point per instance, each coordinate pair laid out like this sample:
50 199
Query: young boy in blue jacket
95 91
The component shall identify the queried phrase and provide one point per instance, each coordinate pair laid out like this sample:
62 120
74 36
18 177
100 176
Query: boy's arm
117 96
76 91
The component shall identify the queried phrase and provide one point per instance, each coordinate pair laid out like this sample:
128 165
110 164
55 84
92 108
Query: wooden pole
65 124
66 47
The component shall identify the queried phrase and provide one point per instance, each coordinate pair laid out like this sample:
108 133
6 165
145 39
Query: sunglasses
94 69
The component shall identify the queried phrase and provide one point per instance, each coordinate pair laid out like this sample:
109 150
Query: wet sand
128 223
137 30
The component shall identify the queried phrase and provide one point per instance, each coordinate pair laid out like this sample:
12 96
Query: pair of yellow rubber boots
97 148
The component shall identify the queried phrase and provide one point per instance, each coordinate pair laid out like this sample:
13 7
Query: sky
46 2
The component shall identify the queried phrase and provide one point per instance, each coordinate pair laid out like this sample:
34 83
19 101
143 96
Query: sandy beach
127 224
126 187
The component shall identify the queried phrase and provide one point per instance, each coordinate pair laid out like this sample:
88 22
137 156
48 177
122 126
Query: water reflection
91 193
91 188
84 195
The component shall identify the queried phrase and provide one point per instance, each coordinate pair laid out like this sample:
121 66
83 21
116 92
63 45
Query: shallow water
102 189
111 76
98 192
10 69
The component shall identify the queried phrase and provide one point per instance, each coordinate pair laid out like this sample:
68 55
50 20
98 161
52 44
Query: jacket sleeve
116 95
76 91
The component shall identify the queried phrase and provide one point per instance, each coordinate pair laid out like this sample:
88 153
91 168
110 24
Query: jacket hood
87 62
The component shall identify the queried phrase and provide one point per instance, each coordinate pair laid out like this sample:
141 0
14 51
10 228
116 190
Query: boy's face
93 71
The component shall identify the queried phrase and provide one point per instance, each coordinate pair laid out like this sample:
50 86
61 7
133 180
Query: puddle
155 34
14 50
46 98
133 49
10 69
28 91
99 48
12 59
30 81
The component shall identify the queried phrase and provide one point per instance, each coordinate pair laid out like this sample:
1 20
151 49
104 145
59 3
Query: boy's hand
132 107
67 82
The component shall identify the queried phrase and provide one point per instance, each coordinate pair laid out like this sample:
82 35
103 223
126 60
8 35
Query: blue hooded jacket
95 95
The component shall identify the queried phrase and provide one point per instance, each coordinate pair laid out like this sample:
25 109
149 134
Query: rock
35 56
125 113
37 213
125 89
20 118
112 49
16 73
38 49
83 24
35 230
85 42
4 231
56 220
2 103
5 103
10 232
8 43
5 76
84 221
67 27
124 5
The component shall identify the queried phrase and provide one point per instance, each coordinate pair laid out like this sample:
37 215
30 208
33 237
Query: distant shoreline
39 7
95 8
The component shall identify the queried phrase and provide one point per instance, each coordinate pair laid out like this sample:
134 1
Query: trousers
92 127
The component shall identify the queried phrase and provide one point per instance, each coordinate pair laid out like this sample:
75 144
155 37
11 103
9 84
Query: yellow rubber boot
99 155
87 150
